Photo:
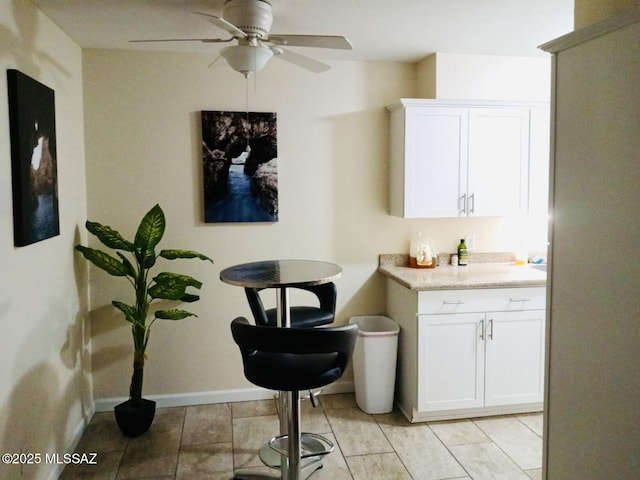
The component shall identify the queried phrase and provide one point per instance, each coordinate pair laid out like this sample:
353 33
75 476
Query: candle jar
422 253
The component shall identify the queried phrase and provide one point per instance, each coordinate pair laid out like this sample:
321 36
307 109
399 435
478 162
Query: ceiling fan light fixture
247 58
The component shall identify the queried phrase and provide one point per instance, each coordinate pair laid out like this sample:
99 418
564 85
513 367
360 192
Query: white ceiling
386 30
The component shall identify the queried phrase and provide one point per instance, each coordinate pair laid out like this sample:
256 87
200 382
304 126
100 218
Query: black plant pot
135 417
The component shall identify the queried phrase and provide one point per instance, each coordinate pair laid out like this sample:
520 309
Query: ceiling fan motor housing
254 17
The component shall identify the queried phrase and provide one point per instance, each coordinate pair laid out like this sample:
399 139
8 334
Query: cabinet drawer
481 300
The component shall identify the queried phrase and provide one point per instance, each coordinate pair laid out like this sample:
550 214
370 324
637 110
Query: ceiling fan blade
300 60
318 41
204 40
223 24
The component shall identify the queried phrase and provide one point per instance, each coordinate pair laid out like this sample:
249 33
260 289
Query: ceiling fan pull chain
255 82
246 104
246 95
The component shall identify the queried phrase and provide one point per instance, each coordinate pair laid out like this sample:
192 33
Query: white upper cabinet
433 140
539 148
497 161
458 159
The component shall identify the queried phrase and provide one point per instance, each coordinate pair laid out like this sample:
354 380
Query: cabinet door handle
491 329
463 202
453 302
523 299
481 329
472 201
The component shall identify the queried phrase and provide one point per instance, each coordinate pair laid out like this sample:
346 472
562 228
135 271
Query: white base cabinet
450 362
514 357
465 353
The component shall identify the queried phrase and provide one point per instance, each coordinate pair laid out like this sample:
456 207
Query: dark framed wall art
240 166
32 128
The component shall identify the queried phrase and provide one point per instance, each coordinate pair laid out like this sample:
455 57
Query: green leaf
129 312
189 298
104 261
172 254
166 291
109 237
131 271
172 286
149 260
173 314
177 278
149 234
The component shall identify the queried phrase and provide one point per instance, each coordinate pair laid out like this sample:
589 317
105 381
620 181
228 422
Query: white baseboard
215 396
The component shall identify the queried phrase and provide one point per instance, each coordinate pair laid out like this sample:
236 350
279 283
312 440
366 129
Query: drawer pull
519 300
455 302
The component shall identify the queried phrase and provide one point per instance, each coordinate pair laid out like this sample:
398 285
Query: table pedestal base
308 466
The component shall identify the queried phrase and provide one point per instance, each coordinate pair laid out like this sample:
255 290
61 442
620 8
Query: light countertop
498 274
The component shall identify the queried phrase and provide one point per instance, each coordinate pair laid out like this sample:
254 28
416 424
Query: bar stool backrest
301 316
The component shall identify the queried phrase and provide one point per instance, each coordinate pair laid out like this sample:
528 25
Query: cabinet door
451 361
435 146
514 371
498 159
539 139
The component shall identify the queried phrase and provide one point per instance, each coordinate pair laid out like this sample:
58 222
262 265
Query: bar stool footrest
312 445
312 397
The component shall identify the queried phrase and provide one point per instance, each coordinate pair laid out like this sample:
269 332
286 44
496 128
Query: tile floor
207 442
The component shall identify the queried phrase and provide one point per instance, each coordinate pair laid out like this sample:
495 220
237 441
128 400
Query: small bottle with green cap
463 253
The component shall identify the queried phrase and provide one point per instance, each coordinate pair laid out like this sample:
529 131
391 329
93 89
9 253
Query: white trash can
374 362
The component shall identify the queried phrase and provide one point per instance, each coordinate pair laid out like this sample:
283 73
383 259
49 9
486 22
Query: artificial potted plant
135 415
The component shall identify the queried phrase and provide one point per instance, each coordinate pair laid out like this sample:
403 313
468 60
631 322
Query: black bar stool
322 312
301 316
290 360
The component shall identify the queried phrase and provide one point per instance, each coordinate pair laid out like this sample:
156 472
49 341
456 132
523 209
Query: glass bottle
463 253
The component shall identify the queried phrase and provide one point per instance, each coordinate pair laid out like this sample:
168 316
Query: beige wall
487 77
587 12
143 146
45 388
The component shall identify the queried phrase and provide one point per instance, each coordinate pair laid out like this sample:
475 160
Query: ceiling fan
249 22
